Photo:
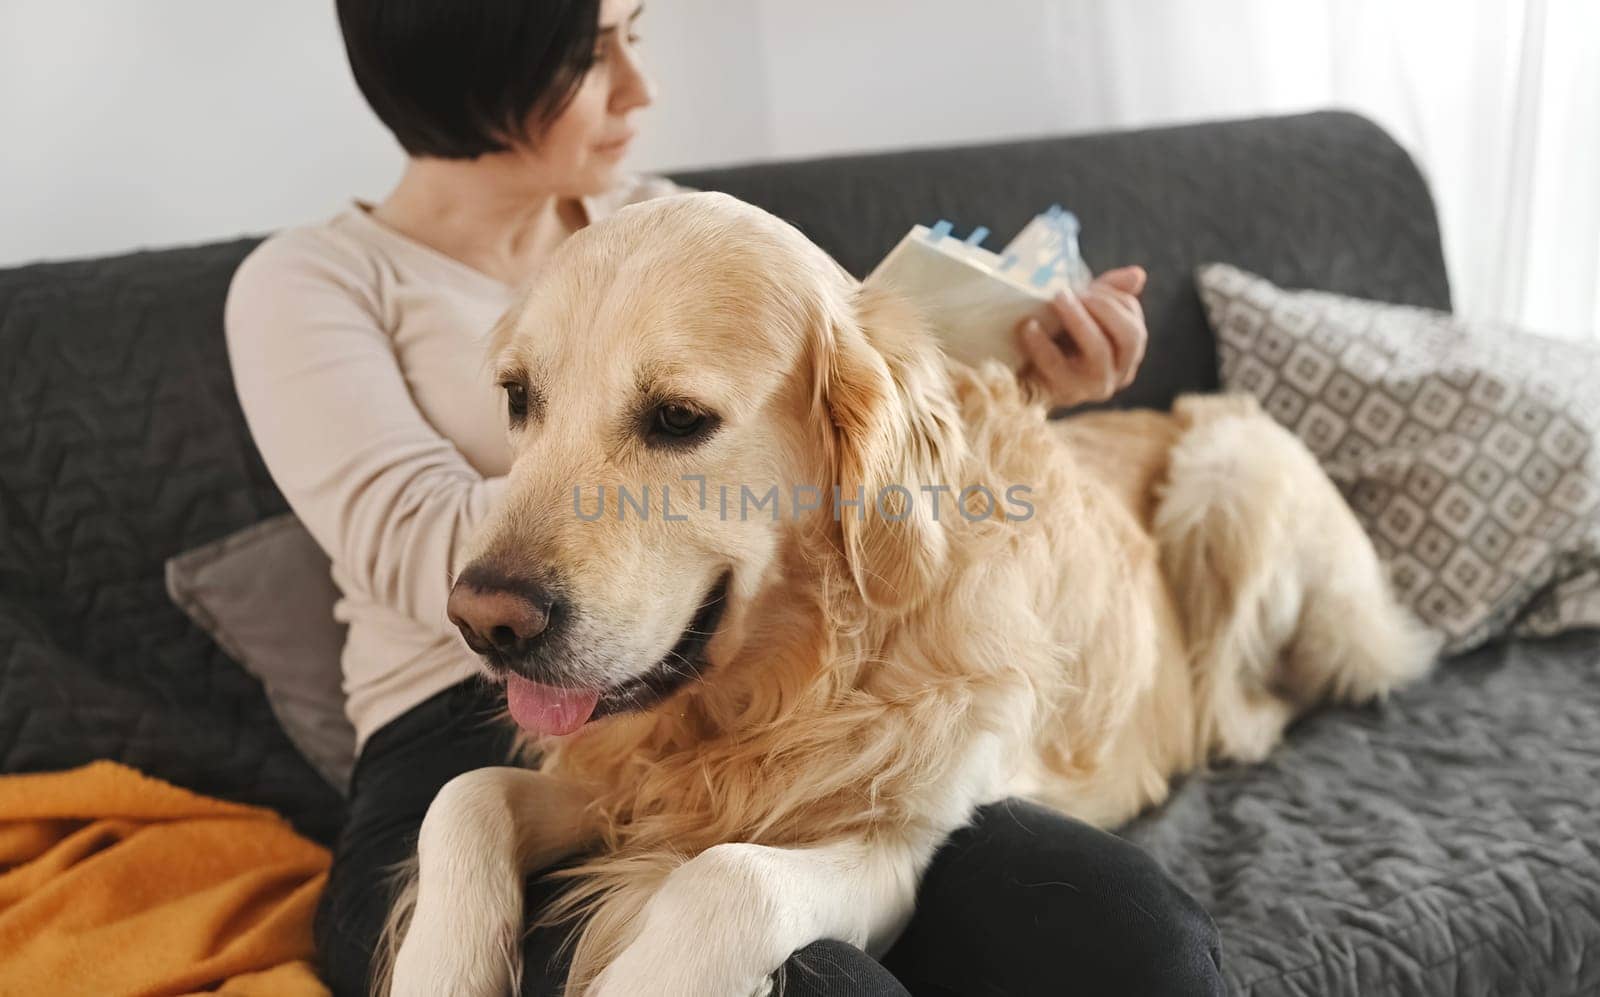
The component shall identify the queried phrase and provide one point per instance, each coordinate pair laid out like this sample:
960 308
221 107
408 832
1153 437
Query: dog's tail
1283 598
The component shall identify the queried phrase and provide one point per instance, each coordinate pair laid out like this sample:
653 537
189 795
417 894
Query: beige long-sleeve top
359 359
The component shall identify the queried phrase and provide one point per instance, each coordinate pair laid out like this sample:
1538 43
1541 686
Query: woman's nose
631 85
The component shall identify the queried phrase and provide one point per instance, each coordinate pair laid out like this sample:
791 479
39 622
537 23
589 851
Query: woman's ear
897 448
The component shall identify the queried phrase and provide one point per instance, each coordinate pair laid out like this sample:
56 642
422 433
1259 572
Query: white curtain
1498 100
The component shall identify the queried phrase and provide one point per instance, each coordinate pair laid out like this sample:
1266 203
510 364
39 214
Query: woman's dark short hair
460 78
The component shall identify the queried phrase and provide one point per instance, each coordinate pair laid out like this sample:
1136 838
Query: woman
356 351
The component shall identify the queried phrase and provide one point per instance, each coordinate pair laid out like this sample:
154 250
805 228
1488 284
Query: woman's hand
1100 349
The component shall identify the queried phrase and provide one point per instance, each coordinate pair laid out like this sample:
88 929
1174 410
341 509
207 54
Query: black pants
1022 902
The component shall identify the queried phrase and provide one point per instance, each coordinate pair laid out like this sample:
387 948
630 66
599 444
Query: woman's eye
601 55
675 423
516 401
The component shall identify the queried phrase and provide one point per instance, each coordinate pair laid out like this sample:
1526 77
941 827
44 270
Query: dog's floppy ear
895 428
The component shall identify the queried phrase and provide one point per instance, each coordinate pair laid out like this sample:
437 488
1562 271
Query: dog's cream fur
1187 584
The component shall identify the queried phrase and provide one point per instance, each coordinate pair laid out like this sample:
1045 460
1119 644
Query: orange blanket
115 883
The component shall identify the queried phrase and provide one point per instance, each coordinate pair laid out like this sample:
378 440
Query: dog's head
688 383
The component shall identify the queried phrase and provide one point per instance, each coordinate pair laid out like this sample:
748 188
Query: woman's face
580 151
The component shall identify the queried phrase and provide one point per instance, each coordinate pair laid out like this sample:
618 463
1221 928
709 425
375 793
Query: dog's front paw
719 926
626 978
436 957
666 963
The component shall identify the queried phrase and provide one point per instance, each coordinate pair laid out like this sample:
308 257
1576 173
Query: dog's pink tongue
546 709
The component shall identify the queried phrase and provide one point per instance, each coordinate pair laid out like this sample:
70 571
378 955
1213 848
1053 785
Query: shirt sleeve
391 500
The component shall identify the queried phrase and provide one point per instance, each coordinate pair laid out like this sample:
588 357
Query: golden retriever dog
782 594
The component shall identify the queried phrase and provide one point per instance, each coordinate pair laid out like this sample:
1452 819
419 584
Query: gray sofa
1446 843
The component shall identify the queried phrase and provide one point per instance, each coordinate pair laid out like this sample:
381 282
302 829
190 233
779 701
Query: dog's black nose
499 614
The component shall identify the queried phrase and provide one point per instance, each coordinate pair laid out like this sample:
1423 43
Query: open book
974 298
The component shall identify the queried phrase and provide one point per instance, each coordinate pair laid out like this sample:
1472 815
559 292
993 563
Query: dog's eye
678 420
516 400
674 422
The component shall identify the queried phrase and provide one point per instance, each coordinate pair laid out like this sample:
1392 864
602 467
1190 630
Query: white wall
151 122
168 121
154 122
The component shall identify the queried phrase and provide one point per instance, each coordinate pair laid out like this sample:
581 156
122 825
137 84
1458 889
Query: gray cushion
265 596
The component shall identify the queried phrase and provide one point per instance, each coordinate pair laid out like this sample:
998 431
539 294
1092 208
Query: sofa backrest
121 441
1324 200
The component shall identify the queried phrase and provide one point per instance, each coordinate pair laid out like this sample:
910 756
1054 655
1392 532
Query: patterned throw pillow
1467 451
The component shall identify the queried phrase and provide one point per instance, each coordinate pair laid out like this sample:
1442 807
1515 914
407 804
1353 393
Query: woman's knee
831 968
1160 937
1025 898
1138 928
